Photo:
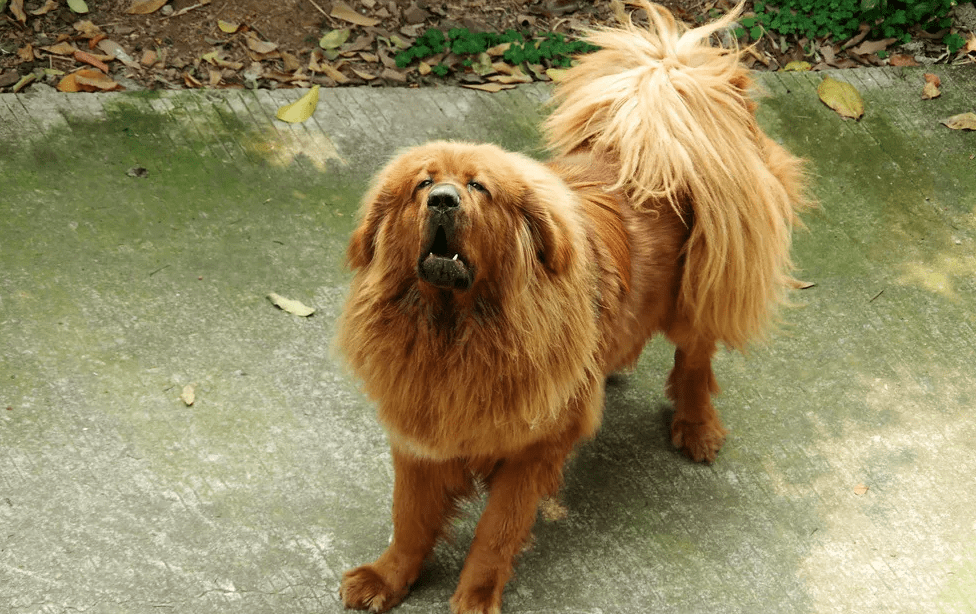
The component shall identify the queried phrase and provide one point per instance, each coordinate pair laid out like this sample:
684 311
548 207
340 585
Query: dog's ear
361 244
550 236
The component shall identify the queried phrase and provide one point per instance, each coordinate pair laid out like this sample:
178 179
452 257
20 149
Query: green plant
550 48
840 19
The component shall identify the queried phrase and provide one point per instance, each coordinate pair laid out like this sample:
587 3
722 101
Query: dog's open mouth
441 264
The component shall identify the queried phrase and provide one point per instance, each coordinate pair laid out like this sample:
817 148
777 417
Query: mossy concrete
116 291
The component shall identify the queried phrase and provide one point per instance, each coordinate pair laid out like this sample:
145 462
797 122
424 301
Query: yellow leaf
334 38
228 27
963 121
78 6
287 304
144 7
841 97
188 396
63 48
556 74
797 66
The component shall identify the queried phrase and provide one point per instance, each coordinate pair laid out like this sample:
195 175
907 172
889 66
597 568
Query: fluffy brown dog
493 294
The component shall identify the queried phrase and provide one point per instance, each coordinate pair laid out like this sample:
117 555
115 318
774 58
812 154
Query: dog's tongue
443 272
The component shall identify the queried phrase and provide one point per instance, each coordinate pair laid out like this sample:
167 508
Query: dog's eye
474 185
425 183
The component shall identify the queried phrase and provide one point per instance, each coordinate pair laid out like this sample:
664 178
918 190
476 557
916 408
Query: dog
493 294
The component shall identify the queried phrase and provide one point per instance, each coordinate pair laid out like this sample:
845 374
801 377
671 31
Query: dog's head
457 215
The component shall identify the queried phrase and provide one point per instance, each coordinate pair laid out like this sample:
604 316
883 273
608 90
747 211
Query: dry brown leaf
63 48
902 59
552 509
860 489
144 7
87 29
115 51
798 284
842 97
290 62
362 74
963 121
393 75
259 46
871 47
215 77
191 81
86 80
87 58
341 10
49 6
97 81
970 44
26 53
17 8
488 87
931 88
149 57
516 76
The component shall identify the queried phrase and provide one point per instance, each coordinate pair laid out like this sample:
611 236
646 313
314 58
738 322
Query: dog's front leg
424 494
515 489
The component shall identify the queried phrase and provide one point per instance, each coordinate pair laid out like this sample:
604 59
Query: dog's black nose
444 197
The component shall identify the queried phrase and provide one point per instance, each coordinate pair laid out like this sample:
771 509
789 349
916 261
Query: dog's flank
493 294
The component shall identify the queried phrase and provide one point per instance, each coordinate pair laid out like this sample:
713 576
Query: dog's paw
701 441
480 600
363 588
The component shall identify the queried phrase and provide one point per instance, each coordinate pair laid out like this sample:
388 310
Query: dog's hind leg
424 495
696 429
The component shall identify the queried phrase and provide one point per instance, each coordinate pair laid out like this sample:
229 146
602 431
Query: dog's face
456 216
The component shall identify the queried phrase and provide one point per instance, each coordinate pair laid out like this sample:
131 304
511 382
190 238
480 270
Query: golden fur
665 210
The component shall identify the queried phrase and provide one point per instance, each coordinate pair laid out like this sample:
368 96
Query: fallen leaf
228 27
86 80
188 396
842 97
138 172
49 6
301 109
963 121
970 43
290 62
287 304
63 48
341 10
87 29
860 489
393 75
97 81
78 6
17 8
144 7
87 58
362 74
902 60
488 87
931 88
115 50
259 46
556 74
869 47
797 66
26 53
334 38
797 284
149 57
424 68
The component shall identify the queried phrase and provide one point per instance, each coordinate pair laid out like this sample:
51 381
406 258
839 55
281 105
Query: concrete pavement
848 483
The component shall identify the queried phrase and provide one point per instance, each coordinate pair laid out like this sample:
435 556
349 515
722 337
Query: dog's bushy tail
672 112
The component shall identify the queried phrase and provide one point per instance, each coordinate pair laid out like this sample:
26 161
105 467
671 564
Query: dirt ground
259 43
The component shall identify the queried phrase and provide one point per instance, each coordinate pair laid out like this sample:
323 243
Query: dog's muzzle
442 263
